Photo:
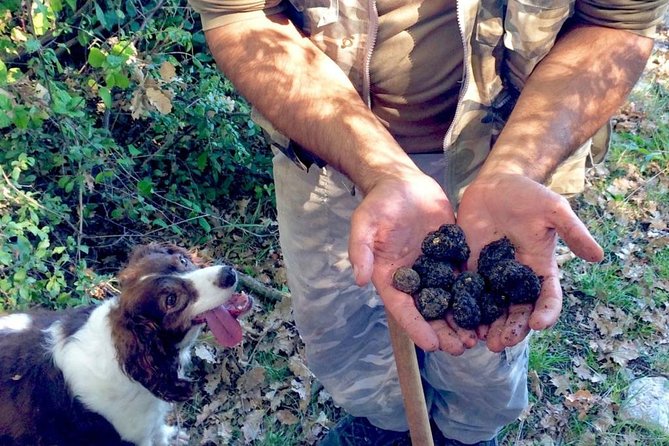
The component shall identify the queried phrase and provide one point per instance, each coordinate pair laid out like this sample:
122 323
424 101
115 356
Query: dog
106 374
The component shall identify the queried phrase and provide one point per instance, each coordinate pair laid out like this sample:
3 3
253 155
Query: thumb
574 233
361 248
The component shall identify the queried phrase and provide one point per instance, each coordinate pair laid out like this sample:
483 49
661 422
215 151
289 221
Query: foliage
115 127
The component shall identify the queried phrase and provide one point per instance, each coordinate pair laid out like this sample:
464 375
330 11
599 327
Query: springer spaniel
105 374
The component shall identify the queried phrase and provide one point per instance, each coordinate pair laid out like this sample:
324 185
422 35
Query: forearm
572 93
307 97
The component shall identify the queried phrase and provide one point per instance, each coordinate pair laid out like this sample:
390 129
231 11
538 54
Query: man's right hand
387 230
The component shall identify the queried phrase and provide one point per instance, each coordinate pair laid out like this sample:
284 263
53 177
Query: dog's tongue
225 328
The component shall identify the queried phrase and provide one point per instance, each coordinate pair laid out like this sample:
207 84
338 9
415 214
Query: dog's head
165 300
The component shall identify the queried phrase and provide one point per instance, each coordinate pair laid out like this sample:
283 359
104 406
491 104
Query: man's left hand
532 217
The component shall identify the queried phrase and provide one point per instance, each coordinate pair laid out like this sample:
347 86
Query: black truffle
447 243
515 280
493 253
466 312
492 306
434 273
406 280
433 303
470 283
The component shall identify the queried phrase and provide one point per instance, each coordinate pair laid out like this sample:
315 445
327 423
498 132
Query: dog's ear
149 359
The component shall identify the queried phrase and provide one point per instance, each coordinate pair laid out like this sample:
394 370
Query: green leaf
72 4
205 224
21 117
96 57
121 80
105 94
56 5
99 13
145 187
3 73
202 160
117 214
134 151
20 275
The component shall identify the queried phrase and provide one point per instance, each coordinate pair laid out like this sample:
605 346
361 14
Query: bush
116 127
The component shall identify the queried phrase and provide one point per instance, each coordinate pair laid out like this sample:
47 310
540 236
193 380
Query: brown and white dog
106 374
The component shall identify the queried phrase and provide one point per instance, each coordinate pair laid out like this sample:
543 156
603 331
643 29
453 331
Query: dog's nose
227 277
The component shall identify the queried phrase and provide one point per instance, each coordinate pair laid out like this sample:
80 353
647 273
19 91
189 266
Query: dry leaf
286 417
159 100
252 427
167 71
252 379
561 382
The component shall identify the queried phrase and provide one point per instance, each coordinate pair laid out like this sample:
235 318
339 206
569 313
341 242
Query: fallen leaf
286 417
159 100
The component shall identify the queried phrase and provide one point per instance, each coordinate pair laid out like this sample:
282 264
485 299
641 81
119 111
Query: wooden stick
410 384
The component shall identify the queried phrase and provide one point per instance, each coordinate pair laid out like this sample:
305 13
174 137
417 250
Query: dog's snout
227 277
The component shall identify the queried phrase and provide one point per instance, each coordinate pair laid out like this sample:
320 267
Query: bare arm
307 97
571 94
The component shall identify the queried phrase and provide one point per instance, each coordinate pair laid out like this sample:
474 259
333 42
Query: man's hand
387 230
531 216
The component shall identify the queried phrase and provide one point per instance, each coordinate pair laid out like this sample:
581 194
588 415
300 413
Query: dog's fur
105 374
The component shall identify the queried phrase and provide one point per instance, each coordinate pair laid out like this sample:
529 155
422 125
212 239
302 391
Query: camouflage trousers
344 327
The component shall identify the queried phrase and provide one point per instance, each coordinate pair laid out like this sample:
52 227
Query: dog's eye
183 260
171 300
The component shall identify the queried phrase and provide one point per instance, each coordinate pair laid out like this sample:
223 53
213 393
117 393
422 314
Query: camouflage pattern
345 330
503 42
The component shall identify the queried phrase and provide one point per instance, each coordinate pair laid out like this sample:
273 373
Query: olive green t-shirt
416 65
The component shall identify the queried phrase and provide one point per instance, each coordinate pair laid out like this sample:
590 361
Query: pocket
531 29
317 13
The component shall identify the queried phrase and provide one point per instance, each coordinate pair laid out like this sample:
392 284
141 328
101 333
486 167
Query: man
380 135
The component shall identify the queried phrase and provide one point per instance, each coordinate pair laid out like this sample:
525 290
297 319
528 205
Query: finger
482 332
549 305
574 232
403 309
361 249
467 337
449 341
495 334
517 325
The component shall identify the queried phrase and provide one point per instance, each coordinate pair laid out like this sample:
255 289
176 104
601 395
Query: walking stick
410 384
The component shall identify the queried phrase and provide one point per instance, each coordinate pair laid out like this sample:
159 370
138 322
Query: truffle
515 280
470 283
492 306
434 273
466 312
406 280
433 303
493 253
447 243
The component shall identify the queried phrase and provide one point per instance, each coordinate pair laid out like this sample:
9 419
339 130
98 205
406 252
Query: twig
261 290
32 201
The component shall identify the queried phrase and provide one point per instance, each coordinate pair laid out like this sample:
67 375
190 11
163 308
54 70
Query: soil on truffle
434 273
492 306
406 280
516 281
493 253
466 312
447 243
470 283
433 303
